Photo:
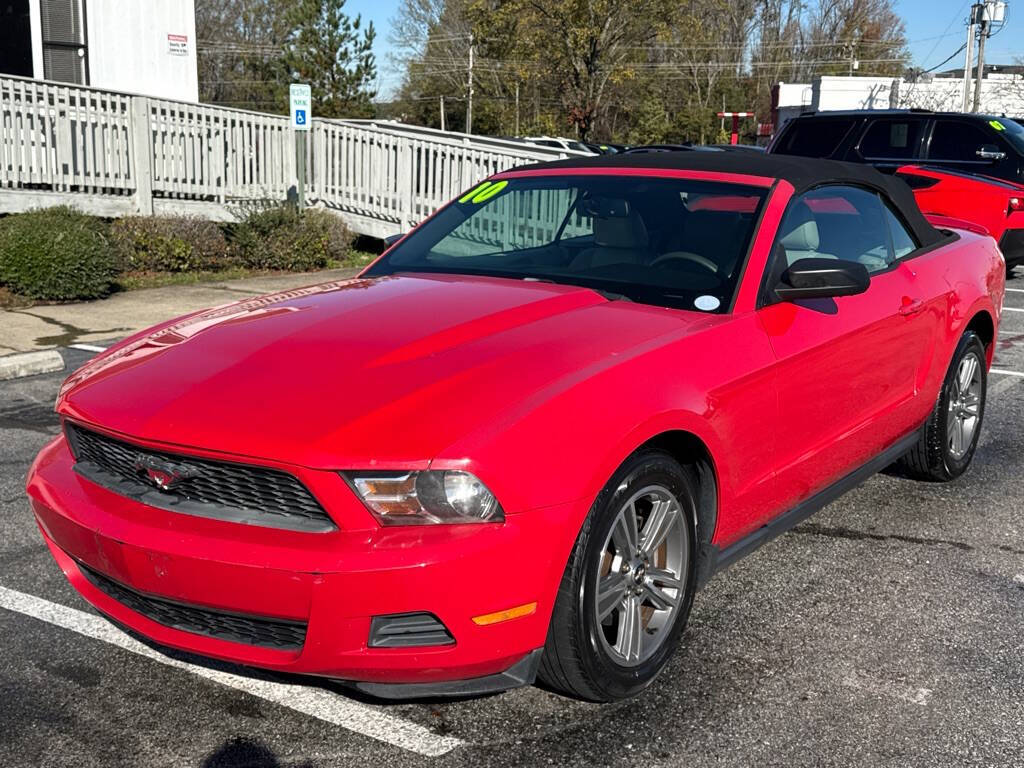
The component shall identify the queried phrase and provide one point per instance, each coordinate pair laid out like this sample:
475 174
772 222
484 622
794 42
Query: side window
836 222
813 138
903 241
958 141
891 139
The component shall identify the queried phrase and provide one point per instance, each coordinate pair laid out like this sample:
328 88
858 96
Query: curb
23 364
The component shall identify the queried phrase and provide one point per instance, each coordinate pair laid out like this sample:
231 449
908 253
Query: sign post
734 138
300 101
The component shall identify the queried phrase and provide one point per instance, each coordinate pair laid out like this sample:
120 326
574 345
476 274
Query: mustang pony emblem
165 475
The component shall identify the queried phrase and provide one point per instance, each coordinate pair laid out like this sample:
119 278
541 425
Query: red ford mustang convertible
519 442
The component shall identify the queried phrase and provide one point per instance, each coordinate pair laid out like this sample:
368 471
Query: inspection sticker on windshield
707 303
997 125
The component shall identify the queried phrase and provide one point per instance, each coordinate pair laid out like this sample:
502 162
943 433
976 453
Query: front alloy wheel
627 589
640 575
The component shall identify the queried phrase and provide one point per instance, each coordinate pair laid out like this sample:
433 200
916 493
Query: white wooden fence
114 154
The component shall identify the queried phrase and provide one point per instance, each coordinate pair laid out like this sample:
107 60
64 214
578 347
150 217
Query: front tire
950 435
627 590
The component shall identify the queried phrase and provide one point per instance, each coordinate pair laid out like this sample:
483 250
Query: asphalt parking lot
888 630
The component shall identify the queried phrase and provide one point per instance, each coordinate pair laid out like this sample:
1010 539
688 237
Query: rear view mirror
990 152
822 278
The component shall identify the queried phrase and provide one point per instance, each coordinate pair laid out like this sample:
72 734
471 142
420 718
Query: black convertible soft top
802 172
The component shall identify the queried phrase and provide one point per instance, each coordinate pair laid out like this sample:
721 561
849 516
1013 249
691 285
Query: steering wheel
687 256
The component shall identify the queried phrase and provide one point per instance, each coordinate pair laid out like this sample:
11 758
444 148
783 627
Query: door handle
911 306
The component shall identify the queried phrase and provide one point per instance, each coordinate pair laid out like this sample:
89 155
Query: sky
934 29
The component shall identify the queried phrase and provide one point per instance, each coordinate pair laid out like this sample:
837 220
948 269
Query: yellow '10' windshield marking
483 192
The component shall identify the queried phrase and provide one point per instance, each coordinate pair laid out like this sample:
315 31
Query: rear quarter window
814 137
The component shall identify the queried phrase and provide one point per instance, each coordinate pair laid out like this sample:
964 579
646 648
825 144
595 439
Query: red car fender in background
967 201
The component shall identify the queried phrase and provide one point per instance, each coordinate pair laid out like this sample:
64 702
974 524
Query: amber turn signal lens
511 613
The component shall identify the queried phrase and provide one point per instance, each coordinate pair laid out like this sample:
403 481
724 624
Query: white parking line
87 347
1015 290
1004 372
1012 309
330 707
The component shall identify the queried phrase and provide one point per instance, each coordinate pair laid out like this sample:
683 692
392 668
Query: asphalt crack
842 532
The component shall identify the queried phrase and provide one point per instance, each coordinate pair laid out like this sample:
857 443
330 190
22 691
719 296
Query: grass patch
137 281
355 258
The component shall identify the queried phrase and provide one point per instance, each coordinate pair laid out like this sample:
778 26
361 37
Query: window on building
65 55
15 38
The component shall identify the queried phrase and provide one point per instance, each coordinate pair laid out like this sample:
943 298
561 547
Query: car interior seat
800 238
620 236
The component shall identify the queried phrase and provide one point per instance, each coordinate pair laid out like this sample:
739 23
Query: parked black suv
991 146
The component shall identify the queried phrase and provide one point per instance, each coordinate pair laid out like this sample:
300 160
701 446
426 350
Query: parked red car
521 440
994 204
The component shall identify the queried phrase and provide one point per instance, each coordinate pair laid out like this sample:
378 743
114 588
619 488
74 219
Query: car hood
365 372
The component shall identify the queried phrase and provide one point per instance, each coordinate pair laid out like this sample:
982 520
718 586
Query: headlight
430 496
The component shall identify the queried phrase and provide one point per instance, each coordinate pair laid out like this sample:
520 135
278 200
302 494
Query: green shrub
281 237
168 244
56 254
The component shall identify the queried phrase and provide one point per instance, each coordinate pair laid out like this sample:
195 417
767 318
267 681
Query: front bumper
333 582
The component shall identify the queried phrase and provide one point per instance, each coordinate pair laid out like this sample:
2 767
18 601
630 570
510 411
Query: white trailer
136 46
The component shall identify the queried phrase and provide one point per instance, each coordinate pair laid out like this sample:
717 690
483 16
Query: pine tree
334 54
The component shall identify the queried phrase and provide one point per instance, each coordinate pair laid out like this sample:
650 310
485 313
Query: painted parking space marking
1015 290
1004 372
324 705
87 347
1012 309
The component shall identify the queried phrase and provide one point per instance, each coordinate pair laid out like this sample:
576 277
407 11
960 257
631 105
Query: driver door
846 366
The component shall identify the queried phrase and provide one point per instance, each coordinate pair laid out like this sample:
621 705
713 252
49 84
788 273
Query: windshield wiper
610 295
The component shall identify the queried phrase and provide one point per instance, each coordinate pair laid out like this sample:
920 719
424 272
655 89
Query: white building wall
832 93
1000 94
129 44
129 47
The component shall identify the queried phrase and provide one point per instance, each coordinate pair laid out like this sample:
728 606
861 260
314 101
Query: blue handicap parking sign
300 117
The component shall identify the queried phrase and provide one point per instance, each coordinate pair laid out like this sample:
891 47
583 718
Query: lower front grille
279 634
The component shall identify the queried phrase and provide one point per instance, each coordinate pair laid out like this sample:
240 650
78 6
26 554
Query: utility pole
517 108
968 59
442 113
469 95
983 32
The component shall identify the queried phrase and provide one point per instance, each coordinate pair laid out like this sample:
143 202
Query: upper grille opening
219 489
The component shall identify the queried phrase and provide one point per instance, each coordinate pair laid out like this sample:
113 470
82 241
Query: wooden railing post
142 155
404 185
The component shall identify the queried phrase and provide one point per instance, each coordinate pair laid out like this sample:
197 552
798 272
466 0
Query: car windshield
670 242
1012 130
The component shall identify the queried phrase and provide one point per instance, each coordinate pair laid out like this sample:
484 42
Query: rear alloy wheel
950 435
628 587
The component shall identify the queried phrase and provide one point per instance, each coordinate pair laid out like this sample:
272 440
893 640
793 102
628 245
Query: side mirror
821 279
392 239
990 152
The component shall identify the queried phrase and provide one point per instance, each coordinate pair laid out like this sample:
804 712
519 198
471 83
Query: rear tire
626 592
950 435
